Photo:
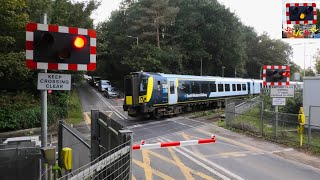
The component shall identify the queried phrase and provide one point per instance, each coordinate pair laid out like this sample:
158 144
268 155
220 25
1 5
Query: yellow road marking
87 119
251 148
186 137
223 155
147 167
204 176
133 178
154 171
182 167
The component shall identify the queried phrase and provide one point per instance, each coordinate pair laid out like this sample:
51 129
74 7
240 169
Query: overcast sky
263 15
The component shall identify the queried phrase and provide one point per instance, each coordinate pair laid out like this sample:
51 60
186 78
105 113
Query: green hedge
23 111
11 119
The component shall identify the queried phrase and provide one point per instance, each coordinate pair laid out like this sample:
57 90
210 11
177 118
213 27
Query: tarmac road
233 156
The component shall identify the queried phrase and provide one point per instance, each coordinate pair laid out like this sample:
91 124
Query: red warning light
79 42
285 73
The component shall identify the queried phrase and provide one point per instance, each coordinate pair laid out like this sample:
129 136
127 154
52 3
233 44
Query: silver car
111 92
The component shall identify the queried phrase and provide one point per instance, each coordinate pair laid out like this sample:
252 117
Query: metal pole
44 113
304 59
222 71
309 125
276 126
261 118
137 41
201 68
260 72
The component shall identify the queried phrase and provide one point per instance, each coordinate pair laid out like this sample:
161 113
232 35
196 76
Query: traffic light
301 13
274 75
277 75
60 48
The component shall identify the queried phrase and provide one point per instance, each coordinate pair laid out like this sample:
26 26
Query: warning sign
49 81
282 91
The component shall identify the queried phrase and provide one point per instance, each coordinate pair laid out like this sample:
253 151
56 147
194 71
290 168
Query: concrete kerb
28 132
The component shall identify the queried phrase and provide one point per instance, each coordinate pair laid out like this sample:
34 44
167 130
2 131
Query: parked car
103 84
94 81
111 92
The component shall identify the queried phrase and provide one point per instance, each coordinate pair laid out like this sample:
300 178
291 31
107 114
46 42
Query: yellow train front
157 94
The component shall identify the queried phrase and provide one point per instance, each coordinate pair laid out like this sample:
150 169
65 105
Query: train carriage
159 94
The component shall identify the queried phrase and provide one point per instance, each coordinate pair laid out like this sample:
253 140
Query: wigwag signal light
79 42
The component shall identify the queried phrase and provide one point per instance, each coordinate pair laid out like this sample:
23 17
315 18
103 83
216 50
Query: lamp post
136 38
304 55
201 68
223 71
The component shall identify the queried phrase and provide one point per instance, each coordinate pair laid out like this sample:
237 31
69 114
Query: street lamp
201 68
136 38
223 71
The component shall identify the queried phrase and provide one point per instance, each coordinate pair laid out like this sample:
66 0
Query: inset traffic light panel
301 13
60 48
276 75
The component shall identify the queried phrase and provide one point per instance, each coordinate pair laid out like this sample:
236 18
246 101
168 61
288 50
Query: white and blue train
159 94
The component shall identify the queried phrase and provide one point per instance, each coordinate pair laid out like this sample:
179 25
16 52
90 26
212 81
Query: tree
155 17
199 31
317 61
309 72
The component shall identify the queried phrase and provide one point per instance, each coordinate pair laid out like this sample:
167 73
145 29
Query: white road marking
151 123
207 161
116 112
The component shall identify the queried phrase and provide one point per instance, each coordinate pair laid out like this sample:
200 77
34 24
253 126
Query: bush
292 106
23 111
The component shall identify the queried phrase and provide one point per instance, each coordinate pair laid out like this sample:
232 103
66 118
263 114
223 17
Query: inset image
300 19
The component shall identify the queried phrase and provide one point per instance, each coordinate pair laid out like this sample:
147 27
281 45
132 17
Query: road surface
233 156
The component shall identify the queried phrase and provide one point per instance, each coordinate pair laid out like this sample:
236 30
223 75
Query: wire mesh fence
111 165
251 116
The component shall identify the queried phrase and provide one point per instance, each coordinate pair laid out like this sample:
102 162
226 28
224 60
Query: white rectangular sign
49 81
282 91
278 101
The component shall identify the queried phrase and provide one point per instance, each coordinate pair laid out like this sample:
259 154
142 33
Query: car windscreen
105 83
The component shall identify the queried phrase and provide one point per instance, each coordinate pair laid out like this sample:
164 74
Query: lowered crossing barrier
173 143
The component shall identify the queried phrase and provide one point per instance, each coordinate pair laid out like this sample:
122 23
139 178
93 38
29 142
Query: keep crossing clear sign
49 81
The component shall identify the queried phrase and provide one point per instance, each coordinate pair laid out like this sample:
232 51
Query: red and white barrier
174 143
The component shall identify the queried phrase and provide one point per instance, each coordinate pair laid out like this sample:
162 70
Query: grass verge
75 112
207 113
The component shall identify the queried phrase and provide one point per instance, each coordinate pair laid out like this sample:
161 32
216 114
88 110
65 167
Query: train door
249 89
172 94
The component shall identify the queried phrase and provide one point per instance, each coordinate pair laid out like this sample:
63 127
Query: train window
238 87
213 87
143 85
171 87
233 87
243 87
220 87
159 86
184 87
204 87
195 87
227 87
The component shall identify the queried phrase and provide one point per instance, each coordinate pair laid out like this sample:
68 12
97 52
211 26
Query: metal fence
113 164
80 145
251 116
111 151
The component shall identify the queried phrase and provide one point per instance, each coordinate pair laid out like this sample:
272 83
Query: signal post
53 47
278 79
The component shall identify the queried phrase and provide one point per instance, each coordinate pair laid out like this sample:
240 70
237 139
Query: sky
263 15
